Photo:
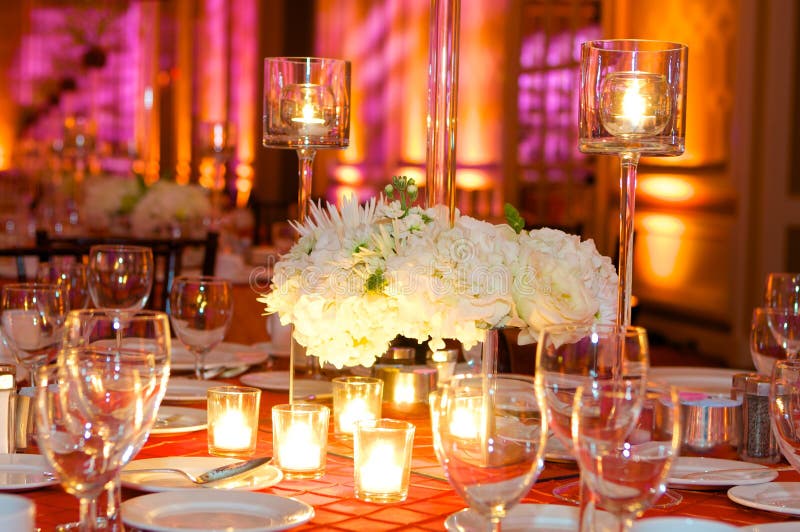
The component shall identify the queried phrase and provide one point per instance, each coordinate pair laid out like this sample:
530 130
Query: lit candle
303 107
404 392
231 431
218 136
298 449
635 104
382 472
462 423
310 122
354 410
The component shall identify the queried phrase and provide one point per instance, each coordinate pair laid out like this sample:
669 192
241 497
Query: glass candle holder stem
627 205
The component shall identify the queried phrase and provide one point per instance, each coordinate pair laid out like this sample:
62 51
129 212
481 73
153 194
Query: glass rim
304 408
111 313
384 424
207 279
234 390
299 60
34 285
356 379
119 247
667 46
605 326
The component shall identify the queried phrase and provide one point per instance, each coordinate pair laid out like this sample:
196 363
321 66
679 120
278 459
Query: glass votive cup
382 459
300 439
233 420
354 399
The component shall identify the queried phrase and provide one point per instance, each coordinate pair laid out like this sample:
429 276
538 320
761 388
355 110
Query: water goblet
120 276
567 357
70 275
782 290
784 408
765 349
490 438
107 352
32 323
77 450
200 309
785 326
626 438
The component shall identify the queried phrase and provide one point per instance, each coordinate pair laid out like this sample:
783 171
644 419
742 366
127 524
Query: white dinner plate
754 474
688 524
525 517
259 478
225 355
20 472
273 350
785 526
189 389
201 511
279 381
175 419
778 497
713 381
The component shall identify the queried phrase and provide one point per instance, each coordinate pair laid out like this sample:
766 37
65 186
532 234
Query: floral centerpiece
360 275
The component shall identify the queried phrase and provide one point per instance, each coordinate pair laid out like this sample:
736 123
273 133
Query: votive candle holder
382 459
300 439
233 420
354 399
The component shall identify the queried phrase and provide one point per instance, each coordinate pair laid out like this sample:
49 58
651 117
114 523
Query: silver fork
213 475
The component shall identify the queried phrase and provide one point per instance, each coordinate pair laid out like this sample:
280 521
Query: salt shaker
758 443
7 408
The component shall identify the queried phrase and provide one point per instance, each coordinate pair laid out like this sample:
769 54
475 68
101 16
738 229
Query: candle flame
633 104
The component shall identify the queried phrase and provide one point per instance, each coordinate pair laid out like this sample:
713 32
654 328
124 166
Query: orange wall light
667 188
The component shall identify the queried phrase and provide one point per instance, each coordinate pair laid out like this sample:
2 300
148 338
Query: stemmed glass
765 348
69 274
200 309
120 276
568 357
782 290
490 438
118 360
784 408
306 108
626 438
77 450
785 326
632 103
32 323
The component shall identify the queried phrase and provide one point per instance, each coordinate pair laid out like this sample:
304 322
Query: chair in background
168 255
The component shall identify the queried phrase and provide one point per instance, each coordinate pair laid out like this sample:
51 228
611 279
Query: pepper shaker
7 408
758 443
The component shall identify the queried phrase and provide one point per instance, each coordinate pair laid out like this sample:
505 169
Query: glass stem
586 511
87 514
496 524
489 354
627 201
200 363
306 156
114 502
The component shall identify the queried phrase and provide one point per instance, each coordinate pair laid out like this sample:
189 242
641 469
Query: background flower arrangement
164 209
360 275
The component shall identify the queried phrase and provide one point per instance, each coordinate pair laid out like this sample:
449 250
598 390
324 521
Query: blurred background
171 90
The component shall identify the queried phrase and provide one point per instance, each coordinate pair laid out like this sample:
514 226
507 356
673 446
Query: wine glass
765 349
32 323
632 103
785 326
490 440
121 356
120 276
567 357
784 408
626 438
306 108
78 451
782 290
200 309
69 274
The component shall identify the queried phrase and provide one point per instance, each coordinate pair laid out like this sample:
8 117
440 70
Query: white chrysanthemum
167 207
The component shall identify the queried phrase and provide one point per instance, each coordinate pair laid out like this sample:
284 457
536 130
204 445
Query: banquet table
430 498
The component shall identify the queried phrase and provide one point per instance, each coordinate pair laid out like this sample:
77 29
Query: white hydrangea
167 207
107 197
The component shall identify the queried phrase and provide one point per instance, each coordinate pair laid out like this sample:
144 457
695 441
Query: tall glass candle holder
306 108
632 103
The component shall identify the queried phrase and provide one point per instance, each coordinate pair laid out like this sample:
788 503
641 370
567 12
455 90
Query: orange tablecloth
430 500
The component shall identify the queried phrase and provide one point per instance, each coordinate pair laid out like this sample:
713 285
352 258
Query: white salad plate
785 526
189 389
717 473
177 419
204 510
712 381
278 381
20 472
262 477
778 497
684 524
526 517
225 355
270 349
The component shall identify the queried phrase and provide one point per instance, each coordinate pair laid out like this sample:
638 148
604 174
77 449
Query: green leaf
376 281
514 218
